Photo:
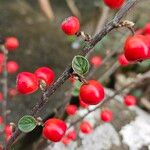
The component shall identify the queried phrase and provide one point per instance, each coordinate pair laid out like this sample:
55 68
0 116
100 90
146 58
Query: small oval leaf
80 65
27 123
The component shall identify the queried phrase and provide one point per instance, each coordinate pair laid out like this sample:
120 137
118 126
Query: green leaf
27 123
80 65
75 92
77 84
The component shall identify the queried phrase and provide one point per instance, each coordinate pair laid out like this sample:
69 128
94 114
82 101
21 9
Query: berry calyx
106 115
114 4
71 109
137 48
70 25
27 83
12 67
11 43
130 100
54 129
72 135
92 93
46 74
96 61
86 127
122 60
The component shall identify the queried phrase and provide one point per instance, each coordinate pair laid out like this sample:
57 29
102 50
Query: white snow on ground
137 133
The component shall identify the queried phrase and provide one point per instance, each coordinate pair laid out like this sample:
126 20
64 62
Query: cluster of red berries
114 4
137 47
28 83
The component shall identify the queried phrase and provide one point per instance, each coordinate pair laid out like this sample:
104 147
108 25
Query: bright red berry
147 28
46 74
82 104
136 48
96 61
27 83
12 67
106 115
1 58
11 43
54 129
130 100
71 109
72 135
1 96
66 141
1 119
122 60
114 4
8 130
12 92
70 25
92 93
86 127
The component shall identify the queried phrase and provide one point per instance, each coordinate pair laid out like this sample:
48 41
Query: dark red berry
54 129
106 115
12 67
71 109
27 83
46 74
1 119
72 135
86 127
130 100
92 93
11 43
70 25
114 4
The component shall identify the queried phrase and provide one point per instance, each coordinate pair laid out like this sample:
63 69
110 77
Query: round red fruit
1 119
72 135
86 127
106 115
70 25
27 83
92 93
11 43
46 74
82 104
96 61
114 4
8 130
130 100
54 129
71 109
136 48
147 28
1 58
122 60
66 141
1 96
12 67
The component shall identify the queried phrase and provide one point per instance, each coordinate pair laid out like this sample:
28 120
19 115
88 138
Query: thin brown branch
66 74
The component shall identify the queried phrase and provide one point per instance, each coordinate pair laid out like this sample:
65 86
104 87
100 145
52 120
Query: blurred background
42 43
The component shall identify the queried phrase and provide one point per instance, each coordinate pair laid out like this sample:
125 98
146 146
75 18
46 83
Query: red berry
54 129
122 60
106 115
27 83
1 96
1 119
12 67
92 93
96 61
66 141
114 4
1 58
82 104
72 135
147 28
136 48
71 109
46 74
11 43
130 100
86 127
70 25
8 130
12 92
